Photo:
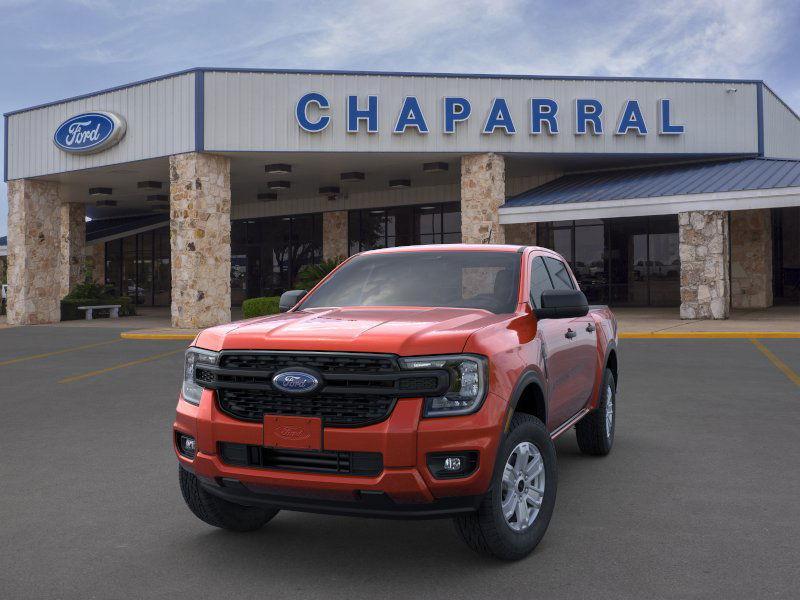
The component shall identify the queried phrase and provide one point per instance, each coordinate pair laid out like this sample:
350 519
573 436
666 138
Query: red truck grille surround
356 390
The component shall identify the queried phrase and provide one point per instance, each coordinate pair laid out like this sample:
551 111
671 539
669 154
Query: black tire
218 512
595 437
486 531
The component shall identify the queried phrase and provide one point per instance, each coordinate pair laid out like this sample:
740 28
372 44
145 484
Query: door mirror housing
562 304
290 299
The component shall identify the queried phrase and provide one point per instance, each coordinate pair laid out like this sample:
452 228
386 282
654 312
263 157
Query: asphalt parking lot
699 498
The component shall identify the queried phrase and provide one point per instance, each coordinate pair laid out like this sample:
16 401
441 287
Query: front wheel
218 512
515 513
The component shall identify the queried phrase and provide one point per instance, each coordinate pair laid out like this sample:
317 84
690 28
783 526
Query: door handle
590 327
570 334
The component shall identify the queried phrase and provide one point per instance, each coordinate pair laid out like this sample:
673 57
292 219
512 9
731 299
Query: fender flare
527 378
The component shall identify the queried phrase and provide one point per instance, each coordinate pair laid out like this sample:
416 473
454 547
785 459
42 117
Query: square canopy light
100 191
158 198
149 185
106 203
279 185
267 196
329 189
399 183
352 176
278 168
435 167
160 207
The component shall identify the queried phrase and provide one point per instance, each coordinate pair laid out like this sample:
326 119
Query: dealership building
210 186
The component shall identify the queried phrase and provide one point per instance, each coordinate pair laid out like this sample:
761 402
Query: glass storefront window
369 229
622 262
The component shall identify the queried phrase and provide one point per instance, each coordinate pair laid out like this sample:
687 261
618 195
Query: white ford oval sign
90 132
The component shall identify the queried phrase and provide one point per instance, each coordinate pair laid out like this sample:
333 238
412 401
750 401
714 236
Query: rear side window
559 274
540 281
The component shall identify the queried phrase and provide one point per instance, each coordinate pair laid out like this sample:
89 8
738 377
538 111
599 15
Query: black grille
338 409
356 389
311 461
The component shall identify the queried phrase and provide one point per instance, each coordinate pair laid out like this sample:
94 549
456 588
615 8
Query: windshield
453 279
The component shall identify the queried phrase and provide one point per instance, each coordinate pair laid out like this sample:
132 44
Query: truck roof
449 248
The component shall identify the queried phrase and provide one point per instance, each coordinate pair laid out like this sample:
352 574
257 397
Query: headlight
191 390
468 382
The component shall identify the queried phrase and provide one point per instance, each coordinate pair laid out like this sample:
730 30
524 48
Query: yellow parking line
132 363
710 335
54 353
779 364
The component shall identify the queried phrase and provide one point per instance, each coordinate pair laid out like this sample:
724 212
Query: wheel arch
528 397
611 361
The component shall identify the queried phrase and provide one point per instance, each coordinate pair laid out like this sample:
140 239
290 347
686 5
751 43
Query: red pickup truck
425 381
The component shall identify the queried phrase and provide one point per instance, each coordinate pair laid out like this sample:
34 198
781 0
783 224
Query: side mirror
290 298
562 304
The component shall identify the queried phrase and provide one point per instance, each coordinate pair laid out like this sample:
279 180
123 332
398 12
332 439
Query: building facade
210 186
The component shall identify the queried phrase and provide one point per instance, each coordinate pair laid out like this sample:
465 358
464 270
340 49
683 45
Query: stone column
96 256
483 191
523 234
334 234
72 246
751 258
200 239
703 247
33 252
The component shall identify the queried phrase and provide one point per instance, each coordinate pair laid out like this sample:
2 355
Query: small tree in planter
310 275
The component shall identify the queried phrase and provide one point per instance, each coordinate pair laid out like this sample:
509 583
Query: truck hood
403 331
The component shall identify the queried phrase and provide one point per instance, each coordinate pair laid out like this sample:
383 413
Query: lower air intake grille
309 461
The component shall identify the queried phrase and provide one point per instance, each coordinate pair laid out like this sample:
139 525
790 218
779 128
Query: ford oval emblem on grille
295 382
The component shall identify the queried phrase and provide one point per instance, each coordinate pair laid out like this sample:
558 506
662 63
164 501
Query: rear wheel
218 512
515 513
595 432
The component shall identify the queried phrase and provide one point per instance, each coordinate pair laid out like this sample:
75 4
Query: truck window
540 281
559 274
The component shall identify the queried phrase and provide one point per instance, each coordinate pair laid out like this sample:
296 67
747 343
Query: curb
132 335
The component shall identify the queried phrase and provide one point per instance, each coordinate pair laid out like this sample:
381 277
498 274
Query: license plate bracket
297 433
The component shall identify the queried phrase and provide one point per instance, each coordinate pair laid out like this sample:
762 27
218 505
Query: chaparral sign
90 132
588 116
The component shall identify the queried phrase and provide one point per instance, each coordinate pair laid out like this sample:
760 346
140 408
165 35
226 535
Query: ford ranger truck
416 382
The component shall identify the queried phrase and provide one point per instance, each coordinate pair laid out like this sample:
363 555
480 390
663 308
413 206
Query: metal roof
671 180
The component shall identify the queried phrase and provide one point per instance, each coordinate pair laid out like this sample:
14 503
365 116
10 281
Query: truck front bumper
405 487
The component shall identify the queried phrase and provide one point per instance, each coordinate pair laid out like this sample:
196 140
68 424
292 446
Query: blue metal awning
672 180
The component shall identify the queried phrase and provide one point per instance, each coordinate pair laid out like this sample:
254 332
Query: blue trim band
760 117
199 110
383 74
5 148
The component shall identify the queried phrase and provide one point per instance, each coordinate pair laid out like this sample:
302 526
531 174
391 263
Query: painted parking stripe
779 364
55 353
132 363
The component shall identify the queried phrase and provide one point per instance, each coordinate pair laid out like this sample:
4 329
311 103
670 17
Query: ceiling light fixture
278 168
100 191
267 196
149 185
399 183
352 176
279 185
158 198
106 203
435 167
329 189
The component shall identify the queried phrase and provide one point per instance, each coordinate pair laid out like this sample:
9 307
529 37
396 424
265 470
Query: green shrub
258 307
311 275
70 312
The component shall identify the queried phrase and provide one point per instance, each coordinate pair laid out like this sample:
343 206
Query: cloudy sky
60 48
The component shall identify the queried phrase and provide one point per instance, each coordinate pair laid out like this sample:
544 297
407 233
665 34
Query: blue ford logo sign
295 382
90 132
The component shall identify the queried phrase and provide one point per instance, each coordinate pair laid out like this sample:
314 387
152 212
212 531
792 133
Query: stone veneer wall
523 234
703 247
483 192
96 257
200 239
33 252
751 258
72 245
334 234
